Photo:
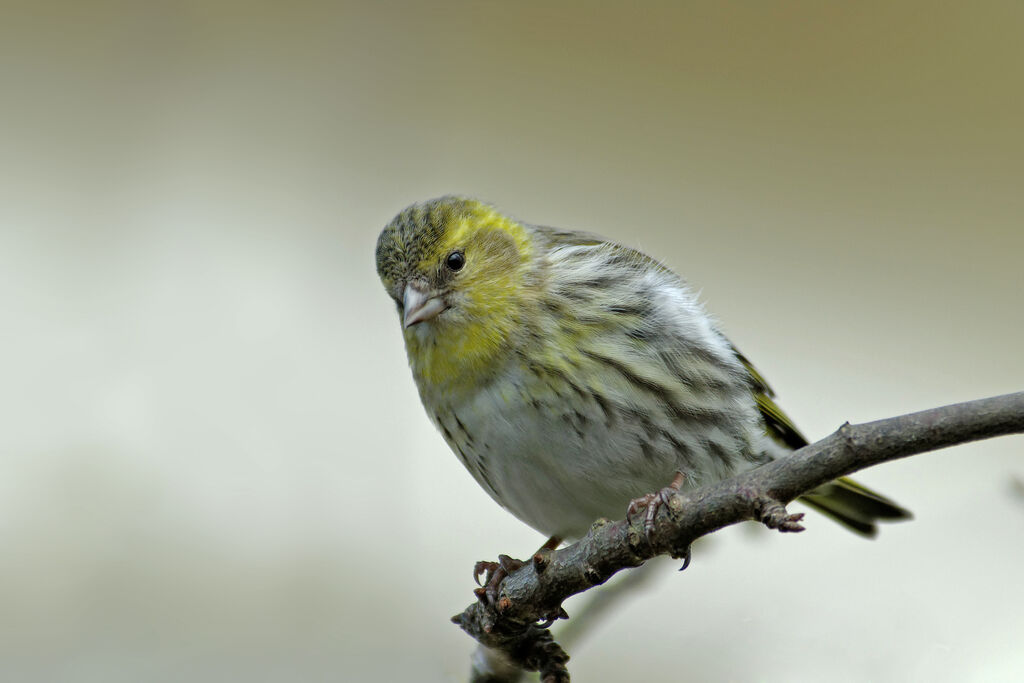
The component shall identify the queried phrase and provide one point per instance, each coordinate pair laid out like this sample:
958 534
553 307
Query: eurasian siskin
571 374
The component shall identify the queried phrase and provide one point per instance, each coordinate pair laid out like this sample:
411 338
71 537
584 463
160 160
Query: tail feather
855 506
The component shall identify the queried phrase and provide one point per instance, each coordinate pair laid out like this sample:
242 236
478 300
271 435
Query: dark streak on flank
447 433
571 419
684 451
553 306
601 282
546 371
721 453
662 393
465 432
602 403
699 353
644 420
579 421
482 471
696 380
641 334
462 455
638 309
593 320
578 297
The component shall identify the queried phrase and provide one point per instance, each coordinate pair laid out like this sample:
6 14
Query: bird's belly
560 463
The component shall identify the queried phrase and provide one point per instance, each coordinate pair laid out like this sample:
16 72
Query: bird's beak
420 306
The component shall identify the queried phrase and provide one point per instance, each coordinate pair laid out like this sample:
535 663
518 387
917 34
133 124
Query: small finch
572 375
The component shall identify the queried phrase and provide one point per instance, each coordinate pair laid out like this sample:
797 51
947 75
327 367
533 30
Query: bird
573 375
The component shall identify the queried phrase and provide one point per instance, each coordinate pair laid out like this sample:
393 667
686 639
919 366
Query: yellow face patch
468 225
484 294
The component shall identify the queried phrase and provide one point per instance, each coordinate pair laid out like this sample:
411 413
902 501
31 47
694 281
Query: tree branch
534 593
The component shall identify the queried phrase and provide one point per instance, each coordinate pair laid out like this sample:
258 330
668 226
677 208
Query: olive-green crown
414 234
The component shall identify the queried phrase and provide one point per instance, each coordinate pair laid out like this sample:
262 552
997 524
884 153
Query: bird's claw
652 502
552 617
494 573
485 569
774 515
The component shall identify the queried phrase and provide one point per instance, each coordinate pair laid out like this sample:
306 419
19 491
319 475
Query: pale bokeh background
214 463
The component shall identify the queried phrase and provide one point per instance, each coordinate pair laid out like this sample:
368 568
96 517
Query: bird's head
459 273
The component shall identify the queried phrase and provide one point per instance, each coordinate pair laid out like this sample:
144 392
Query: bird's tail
856 507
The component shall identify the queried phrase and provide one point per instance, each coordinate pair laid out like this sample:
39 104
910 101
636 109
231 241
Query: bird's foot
494 573
653 501
774 515
486 569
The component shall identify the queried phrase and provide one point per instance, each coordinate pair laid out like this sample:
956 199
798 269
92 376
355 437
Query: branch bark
534 593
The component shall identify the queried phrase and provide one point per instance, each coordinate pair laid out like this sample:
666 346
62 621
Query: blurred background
214 462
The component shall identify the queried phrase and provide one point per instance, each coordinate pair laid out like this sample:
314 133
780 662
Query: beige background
214 463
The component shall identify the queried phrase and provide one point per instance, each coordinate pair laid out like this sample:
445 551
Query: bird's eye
455 261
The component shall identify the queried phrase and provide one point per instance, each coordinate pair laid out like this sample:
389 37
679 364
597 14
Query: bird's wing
778 425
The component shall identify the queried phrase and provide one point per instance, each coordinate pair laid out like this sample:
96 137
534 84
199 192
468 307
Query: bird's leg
653 501
495 572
